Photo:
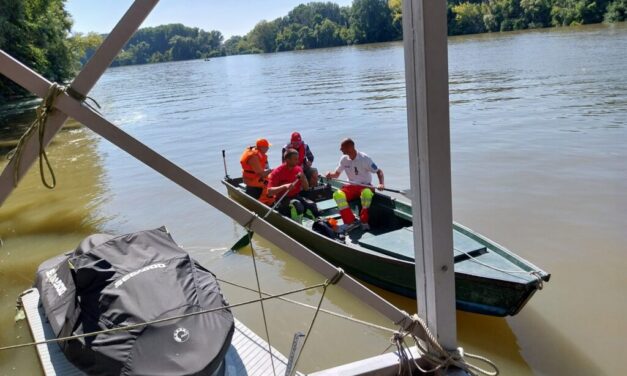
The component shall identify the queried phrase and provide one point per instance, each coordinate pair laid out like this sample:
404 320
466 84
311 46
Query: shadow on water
37 223
549 352
32 209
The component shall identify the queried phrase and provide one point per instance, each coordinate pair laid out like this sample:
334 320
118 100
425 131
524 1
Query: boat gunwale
518 261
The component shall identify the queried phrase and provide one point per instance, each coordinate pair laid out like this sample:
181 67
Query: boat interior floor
390 233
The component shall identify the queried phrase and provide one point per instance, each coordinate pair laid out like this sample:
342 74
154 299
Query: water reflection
37 223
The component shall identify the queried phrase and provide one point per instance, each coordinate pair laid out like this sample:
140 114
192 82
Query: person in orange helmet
255 168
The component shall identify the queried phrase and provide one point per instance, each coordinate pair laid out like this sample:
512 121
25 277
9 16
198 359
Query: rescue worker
255 169
281 179
359 169
305 157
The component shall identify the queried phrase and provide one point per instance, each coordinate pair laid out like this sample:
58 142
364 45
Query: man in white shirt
359 168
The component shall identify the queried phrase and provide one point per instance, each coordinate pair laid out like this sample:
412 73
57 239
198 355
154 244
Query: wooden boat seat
326 205
400 243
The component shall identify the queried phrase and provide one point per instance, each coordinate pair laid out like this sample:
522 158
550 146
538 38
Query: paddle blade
241 243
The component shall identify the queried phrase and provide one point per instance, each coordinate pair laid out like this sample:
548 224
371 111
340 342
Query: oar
226 174
245 240
404 192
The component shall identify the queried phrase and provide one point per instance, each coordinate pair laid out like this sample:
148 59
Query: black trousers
254 191
301 204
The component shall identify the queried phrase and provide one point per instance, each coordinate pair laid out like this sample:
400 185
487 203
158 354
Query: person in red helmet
305 157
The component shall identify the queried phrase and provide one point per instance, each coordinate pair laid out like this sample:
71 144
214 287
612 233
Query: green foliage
83 46
396 10
170 43
505 15
237 45
263 35
577 12
536 13
616 11
311 25
468 19
35 32
371 21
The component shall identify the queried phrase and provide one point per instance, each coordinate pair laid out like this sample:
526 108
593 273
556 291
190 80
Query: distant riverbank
320 25
40 34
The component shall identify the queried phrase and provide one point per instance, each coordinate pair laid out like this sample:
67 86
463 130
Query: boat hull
474 293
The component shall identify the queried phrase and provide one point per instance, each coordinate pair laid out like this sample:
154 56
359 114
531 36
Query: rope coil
434 353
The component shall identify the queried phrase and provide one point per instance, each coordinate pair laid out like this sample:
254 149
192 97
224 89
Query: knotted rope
45 108
433 352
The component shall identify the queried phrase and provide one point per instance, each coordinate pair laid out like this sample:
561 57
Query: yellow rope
46 107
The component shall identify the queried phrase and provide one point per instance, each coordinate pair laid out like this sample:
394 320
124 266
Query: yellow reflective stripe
366 198
340 200
341 203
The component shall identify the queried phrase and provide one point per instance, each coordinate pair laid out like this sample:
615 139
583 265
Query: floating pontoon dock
248 354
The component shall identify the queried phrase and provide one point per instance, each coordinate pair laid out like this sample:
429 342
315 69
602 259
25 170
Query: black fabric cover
108 282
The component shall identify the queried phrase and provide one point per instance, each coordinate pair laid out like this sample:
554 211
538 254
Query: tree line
326 24
477 16
37 32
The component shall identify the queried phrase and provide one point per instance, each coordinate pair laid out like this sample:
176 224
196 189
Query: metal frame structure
427 102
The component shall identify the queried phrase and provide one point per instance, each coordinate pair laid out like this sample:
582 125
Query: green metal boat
489 279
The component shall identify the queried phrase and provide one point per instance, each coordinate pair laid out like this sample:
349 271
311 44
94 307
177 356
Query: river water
538 140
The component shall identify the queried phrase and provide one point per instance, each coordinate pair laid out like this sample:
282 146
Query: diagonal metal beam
72 107
82 84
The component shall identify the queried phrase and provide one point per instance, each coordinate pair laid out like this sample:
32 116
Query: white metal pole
426 76
83 83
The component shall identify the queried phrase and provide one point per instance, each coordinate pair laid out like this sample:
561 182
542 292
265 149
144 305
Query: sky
230 17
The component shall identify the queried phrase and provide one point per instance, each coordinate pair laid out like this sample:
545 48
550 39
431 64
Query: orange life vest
251 178
264 198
